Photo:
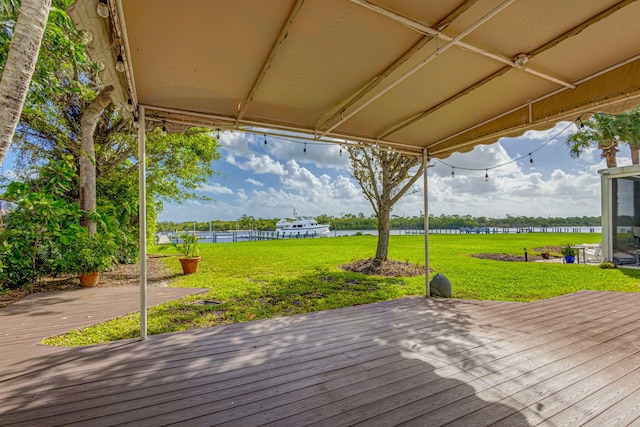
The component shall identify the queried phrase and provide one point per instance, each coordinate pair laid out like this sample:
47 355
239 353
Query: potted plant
190 259
545 253
89 255
569 254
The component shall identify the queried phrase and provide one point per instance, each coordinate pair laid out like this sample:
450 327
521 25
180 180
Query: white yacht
301 226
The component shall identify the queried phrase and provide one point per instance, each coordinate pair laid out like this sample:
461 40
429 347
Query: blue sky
270 181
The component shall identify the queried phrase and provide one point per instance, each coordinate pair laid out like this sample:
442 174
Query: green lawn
257 280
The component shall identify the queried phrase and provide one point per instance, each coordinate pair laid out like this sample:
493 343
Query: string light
341 151
304 153
103 9
265 139
129 107
120 64
531 164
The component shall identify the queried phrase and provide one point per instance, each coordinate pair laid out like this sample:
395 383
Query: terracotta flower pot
190 265
89 280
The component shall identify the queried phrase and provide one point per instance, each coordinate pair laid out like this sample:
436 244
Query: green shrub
607 265
89 253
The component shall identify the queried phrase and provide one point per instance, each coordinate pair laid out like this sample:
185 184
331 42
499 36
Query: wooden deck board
415 361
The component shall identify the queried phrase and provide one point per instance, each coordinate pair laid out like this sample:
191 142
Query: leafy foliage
89 253
606 132
49 135
41 226
189 245
384 177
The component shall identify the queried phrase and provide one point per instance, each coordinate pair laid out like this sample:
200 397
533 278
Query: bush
607 265
39 226
89 253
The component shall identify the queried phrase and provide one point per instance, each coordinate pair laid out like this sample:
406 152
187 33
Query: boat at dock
301 226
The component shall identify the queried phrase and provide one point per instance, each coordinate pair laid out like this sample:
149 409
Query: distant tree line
362 222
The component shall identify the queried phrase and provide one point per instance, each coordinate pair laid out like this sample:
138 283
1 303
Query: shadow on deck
415 361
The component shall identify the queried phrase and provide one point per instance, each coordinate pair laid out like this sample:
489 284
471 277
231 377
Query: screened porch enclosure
621 214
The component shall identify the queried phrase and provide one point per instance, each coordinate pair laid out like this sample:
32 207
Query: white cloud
320 183
254 182
236 143
215 188
319 154
557 132
262 164
241 194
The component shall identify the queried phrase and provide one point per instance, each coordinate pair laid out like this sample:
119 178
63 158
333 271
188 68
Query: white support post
425 161
142 221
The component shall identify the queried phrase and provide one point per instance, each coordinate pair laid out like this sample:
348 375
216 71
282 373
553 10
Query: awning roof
411 74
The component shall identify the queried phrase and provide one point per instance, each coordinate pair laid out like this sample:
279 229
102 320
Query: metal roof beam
418 66
404 58
423 29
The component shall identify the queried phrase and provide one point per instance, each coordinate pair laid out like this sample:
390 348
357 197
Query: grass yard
258 280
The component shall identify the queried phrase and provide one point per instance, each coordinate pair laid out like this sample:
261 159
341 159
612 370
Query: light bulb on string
129 107
341 151
453 173
164 129
304 152
531 165
265 139
103 9
486 175
120 64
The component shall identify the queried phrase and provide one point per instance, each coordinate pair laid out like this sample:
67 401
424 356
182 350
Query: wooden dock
571 360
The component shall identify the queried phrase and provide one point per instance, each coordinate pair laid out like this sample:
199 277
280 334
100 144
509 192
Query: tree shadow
408 360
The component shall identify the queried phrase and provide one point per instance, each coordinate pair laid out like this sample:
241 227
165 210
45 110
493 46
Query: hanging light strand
531 164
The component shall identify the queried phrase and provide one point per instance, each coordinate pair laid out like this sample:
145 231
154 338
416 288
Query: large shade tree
384 176
19 63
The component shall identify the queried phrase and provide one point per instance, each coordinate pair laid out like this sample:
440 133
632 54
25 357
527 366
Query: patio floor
571 360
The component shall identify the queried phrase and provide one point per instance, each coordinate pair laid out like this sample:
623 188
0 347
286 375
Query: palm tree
631 133
20 65
607 131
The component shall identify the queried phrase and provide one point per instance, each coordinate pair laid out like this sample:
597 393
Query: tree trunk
20 65
384 230
635 155
609 154
88 156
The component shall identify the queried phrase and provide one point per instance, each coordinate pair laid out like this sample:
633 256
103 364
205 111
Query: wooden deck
571 360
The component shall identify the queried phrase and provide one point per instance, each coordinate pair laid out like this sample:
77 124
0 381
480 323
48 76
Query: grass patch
259 280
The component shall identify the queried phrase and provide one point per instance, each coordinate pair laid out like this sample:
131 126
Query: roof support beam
159 115
242 108
550 44
423 29
404 58
533 121
418 66
448 101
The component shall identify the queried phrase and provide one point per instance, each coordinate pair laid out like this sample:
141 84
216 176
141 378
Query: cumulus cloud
215 188
325 155
258 164
236 143
254 182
